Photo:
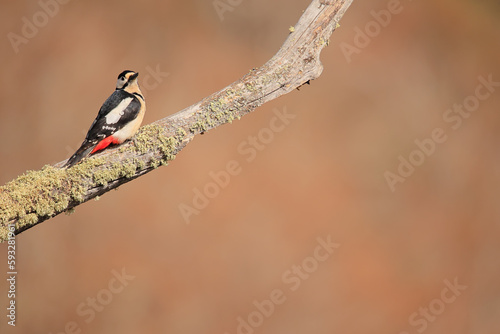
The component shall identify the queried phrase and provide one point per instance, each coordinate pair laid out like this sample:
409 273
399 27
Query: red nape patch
104 143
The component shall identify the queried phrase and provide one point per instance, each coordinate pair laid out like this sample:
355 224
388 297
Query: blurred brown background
323 176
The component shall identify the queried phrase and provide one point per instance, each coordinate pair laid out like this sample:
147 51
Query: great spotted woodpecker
118 119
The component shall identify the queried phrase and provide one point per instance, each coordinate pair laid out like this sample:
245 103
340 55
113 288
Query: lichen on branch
37 196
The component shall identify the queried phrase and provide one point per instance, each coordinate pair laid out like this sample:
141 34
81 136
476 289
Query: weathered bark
40 195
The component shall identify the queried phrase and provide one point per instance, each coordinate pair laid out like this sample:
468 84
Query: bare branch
40 195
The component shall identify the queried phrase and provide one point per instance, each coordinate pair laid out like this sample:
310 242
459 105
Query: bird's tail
80 154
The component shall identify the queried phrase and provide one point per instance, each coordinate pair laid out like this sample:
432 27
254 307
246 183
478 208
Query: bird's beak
134 76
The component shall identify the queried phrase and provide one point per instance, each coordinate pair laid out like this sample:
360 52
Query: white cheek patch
114 115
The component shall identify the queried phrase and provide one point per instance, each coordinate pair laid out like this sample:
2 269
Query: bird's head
127 80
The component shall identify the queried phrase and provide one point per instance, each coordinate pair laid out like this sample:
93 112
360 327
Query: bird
118 119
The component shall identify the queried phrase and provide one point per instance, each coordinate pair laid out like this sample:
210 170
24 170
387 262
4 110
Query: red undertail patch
104 143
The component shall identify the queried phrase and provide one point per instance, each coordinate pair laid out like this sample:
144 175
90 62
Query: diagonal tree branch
37 196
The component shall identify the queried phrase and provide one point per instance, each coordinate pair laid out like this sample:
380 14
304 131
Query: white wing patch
114 115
